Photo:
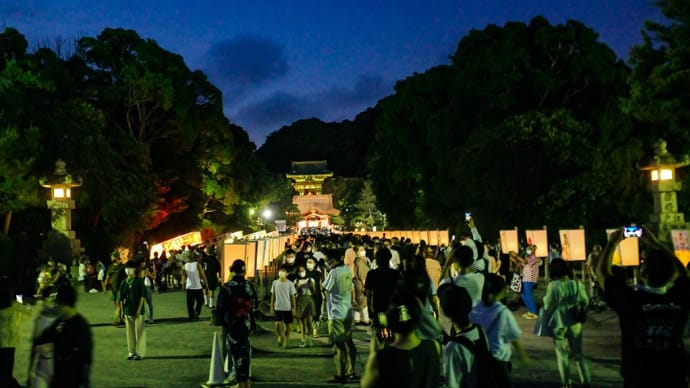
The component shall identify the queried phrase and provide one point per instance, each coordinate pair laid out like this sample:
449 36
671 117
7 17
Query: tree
366 210
495 133
660 79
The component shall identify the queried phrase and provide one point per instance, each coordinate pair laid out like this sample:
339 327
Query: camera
632 231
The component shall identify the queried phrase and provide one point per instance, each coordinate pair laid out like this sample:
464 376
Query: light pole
663 186
61 204
266 216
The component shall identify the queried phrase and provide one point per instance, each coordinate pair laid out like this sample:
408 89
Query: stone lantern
664 186
61 204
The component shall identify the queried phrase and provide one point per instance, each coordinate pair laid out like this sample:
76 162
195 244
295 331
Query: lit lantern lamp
61 204
663 185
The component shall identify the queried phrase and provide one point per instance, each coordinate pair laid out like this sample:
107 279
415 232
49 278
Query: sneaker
531 316
93 291
131 356
138 357
303 344
338 380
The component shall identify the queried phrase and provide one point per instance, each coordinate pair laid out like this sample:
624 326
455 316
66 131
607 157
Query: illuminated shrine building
315 208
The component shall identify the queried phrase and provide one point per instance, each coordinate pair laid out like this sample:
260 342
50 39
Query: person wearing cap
237 301
73 347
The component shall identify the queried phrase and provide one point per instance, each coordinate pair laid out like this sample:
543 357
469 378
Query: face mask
290 260
310 266
529 251
282 274
130 271
302 274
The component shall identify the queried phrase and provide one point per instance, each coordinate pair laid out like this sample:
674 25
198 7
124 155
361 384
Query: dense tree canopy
146 133
523 128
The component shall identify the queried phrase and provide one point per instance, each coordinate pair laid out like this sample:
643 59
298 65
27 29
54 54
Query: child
305 304
283 305
500 326
131 298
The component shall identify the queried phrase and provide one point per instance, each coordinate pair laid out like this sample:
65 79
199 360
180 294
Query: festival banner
539 238
627 254
509 241
573 244
681 245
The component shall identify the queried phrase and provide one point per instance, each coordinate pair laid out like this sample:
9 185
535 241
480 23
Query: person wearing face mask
283 305
289 264
305 305
132 291
316 275
530 277
359 279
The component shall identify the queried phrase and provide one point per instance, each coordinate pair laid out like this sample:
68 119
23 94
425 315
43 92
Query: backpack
485 363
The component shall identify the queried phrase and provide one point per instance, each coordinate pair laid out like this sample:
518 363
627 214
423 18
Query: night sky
280 61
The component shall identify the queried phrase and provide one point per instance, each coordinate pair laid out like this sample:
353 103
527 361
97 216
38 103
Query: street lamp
663 185
61 204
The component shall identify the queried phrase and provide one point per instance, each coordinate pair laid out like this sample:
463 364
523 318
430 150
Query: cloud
246 61
334 104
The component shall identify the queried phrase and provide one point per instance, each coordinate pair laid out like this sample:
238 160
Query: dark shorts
284 316
340 330
212 282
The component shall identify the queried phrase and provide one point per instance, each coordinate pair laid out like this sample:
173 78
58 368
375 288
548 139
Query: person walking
132 291
563 295
338 286
530 277
237 301
283 305
148 273
73 346
360 269
500 327
192 277
212 271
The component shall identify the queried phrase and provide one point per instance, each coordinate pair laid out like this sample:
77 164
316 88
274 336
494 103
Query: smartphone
632 231
20 298
468 216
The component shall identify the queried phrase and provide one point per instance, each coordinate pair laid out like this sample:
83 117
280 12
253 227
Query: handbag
516 283
541 325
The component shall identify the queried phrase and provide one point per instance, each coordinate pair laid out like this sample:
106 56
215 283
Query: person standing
306 287
283 305
338 286
237 301
212 271
71 334
563 294
530 277
132 292
192 276
313 272
652 315
116 274
360 269
148 273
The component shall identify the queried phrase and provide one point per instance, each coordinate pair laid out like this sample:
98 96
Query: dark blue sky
279 61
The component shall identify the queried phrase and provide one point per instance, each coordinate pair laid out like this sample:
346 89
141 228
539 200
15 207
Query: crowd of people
441 310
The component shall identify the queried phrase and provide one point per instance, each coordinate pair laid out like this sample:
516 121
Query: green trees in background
524 127
147 134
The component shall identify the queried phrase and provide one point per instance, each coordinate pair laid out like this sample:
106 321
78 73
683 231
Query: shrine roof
310 167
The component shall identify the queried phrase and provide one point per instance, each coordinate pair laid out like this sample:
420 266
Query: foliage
523 128
56 246
345 145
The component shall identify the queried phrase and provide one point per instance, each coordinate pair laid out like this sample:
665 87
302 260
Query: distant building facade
315 207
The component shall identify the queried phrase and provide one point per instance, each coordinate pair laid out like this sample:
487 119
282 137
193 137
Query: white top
500 327
394 262
458 363
283 291
193 279
472 282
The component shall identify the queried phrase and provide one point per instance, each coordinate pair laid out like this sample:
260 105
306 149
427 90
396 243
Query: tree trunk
8 220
